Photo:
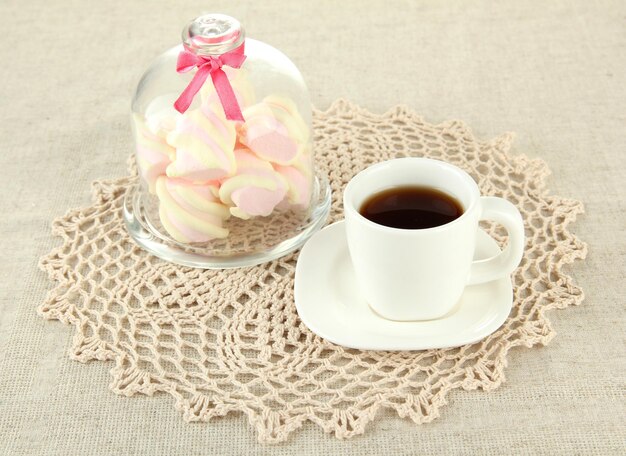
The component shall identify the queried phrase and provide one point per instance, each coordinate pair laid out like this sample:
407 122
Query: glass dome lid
223 146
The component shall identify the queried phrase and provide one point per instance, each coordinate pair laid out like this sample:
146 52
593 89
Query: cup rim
407 231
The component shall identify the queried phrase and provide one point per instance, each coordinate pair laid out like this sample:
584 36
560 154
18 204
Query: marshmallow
153 153
286 110
204 142
238 78
190 212
274 130
161 117
299 185
255 190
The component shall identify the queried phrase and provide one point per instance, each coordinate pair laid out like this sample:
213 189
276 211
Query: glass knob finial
213 34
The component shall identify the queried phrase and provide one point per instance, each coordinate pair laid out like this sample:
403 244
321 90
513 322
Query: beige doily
224 341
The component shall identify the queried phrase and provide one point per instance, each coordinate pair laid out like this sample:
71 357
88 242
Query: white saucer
329 303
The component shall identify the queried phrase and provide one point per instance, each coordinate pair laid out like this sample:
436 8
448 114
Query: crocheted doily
231 340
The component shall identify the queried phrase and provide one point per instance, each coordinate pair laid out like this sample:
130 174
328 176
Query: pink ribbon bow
211 65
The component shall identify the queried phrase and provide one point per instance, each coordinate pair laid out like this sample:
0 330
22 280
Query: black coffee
411 208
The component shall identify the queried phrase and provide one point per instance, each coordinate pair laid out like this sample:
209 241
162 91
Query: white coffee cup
420 274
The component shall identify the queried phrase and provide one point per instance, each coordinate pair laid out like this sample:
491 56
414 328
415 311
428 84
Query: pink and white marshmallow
204 142
255 190
274 130
161 117
191 212
238 79
153 153
299 178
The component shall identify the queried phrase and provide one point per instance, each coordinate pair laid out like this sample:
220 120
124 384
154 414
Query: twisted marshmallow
255 190
274 130
204 142
190 212
240 84
299 181
153 153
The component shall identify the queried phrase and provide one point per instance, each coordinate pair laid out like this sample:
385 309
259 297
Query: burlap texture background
553 73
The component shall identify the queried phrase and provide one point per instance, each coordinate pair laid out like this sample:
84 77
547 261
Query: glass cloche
222 127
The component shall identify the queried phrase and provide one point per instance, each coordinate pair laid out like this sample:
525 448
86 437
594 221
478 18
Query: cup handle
501 211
